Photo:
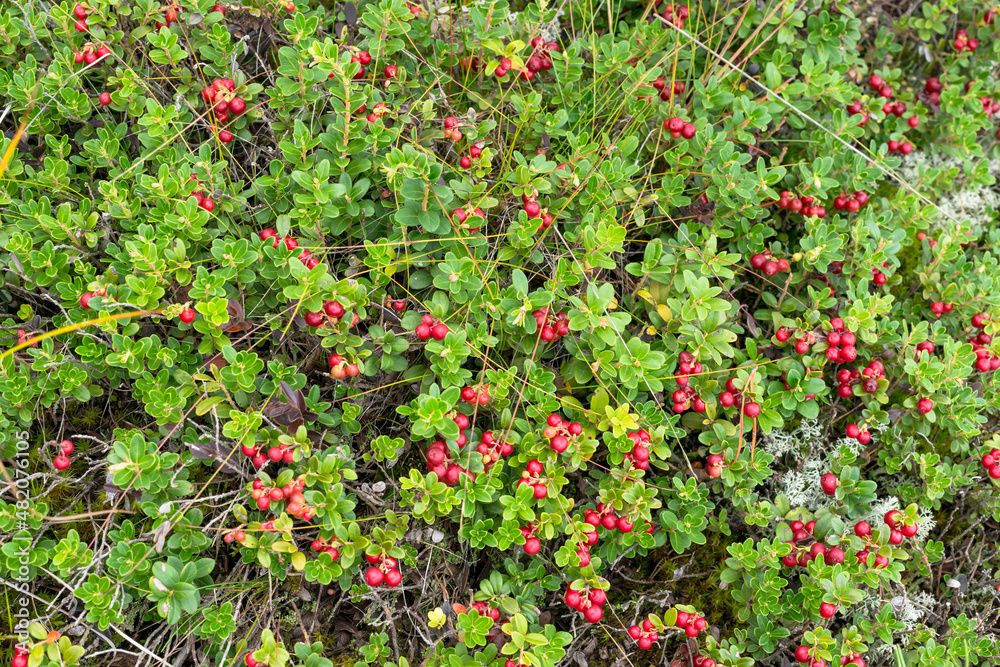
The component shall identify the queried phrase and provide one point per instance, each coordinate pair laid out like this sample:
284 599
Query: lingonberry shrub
500 333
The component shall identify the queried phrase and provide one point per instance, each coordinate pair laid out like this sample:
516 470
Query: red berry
187 316
827 610
829 483
374 576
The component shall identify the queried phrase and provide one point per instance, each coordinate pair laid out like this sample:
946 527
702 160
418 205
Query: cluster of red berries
480 394
703 661
646 635
938 308
451 130
460 215
678 128
222 97
326 547
551 327
639 456
171 15
666 92
878 277
331 313
431 327
90 54
932 90
802 532
808 655
764 261
260 457
728 398
504 66
237 535
686 366
61 461
990 106
802 342
291 493
897 532
534 475
691 623
806 205
493 613
384 569
686 398
878 85
465 162
896 147
985 361
380 109
713 465
492 449
20 657
339 368
399 305
440 463
416 9
963 42
364 58
675 14
534 210
448 471
539 60
80 13
589 601
854 431
850 202
897 109
991 462
204 201
532 545
869 377
87 296
605 516
855 109
306 257
560 432
840 343
23 337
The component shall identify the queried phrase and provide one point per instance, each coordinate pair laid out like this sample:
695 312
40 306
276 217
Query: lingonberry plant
397 332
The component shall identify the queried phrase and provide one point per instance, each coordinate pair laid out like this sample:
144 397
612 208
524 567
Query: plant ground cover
499 333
